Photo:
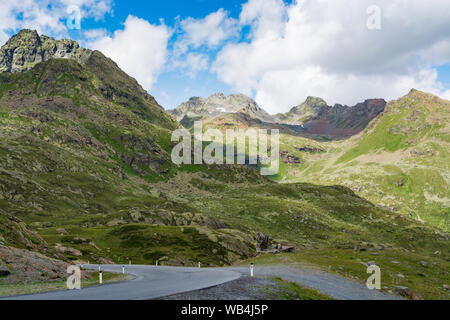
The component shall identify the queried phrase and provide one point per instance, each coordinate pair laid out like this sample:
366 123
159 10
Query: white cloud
266 16
91 35
445 95
91 8
324 48
209 31
192 63
46 16
140 49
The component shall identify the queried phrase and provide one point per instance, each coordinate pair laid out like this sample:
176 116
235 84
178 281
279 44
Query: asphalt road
151 282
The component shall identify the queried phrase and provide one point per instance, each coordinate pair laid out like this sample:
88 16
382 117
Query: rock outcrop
314 116
312 108
343 121
264 245
26 49
219 104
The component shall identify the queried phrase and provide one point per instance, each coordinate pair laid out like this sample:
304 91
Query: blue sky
172 88
278 52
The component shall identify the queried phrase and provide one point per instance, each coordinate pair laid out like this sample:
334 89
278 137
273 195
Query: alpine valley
86 175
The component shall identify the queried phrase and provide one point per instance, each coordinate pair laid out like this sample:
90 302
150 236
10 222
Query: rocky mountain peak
256 112
26 49
216 105
312 105
218 95
414 93
315 101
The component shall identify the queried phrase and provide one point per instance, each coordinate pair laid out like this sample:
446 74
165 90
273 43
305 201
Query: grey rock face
219 104
256 112
313 107
312 104
26 49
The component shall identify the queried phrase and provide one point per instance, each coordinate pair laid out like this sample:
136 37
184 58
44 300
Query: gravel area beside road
335 286
244 288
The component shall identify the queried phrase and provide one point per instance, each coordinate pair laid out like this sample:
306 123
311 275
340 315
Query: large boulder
264 245
406 292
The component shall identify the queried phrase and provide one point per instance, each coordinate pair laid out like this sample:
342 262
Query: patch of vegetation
292 291
7 290
398 267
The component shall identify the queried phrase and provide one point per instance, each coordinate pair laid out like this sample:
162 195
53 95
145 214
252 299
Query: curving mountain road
149 283
155 282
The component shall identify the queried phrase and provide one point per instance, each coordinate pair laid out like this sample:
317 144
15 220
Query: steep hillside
342 121
83 145
401 162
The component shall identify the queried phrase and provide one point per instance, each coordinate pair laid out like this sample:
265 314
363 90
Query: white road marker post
129 262
199 264
100 277
156 262
251 269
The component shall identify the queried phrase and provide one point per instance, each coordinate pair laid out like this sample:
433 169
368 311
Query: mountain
219 104
313 118
83 148
312 108
336 122
86 175
326 149
343 121
24 50
399 162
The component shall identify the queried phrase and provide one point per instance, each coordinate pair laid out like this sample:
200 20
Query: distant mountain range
384 152
313 116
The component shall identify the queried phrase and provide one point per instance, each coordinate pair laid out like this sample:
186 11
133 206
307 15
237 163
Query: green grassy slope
401 162
84 161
